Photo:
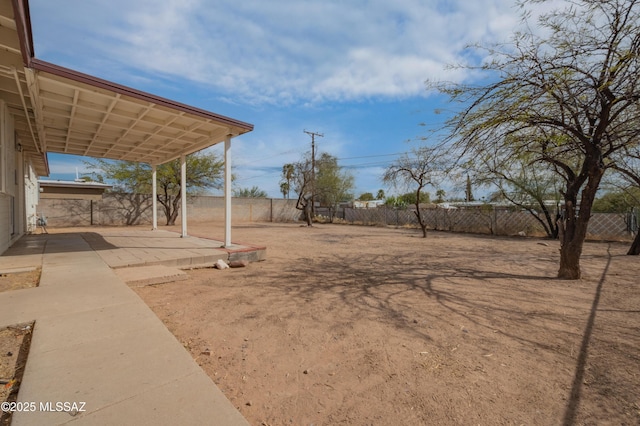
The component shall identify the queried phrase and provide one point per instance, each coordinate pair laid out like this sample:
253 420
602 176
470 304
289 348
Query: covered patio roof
64 111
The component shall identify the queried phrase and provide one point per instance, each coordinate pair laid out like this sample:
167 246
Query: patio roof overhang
60 110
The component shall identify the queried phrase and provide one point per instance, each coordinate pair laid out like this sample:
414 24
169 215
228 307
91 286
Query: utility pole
313 168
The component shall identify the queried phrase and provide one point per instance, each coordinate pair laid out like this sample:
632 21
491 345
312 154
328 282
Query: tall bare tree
416 170
568 99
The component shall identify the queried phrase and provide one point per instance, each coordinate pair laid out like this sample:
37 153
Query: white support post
183 193
227 191
154 196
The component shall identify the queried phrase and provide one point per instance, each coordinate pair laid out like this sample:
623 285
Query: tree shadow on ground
530 310
515 305
388 289
571 411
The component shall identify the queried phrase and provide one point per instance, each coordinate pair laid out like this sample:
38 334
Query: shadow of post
578 378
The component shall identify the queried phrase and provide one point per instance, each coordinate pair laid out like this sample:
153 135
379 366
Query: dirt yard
14 341
366 325
14 349
18 280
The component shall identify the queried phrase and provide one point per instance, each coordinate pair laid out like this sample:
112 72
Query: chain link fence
129 209
486 219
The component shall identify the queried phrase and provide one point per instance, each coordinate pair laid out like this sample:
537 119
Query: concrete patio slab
139 276
96 343
127 247
184 395
18 270
24 253
74 329
106 371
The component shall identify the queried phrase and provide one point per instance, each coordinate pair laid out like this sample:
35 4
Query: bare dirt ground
14 348
366 325
18 280
14 341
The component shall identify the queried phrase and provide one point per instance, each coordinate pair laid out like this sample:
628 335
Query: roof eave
40 65
23 25
68 184
22 18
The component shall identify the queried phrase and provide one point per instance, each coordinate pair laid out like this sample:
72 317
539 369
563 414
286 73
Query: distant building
74 190
372 204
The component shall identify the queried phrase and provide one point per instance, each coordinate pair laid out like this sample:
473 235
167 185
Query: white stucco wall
31 196
5 234
16 198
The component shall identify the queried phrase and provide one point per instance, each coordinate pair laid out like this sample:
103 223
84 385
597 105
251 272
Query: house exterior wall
18 184
8 225
5 235
31 196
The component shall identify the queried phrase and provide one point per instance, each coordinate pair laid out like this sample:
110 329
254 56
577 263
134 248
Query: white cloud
288 51
297 55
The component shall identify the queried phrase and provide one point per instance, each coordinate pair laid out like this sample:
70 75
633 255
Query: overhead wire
277 172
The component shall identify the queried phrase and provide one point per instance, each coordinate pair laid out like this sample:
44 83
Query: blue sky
354 71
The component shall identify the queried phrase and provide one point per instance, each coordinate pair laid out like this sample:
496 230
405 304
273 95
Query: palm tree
288 170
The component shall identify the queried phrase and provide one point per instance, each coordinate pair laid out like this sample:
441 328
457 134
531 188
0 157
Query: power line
371 156
256 177
257 160
363 165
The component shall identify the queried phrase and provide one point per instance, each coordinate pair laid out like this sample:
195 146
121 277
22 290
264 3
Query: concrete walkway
125 247
96 342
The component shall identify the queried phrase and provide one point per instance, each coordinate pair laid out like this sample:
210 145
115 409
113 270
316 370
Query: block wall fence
135 209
